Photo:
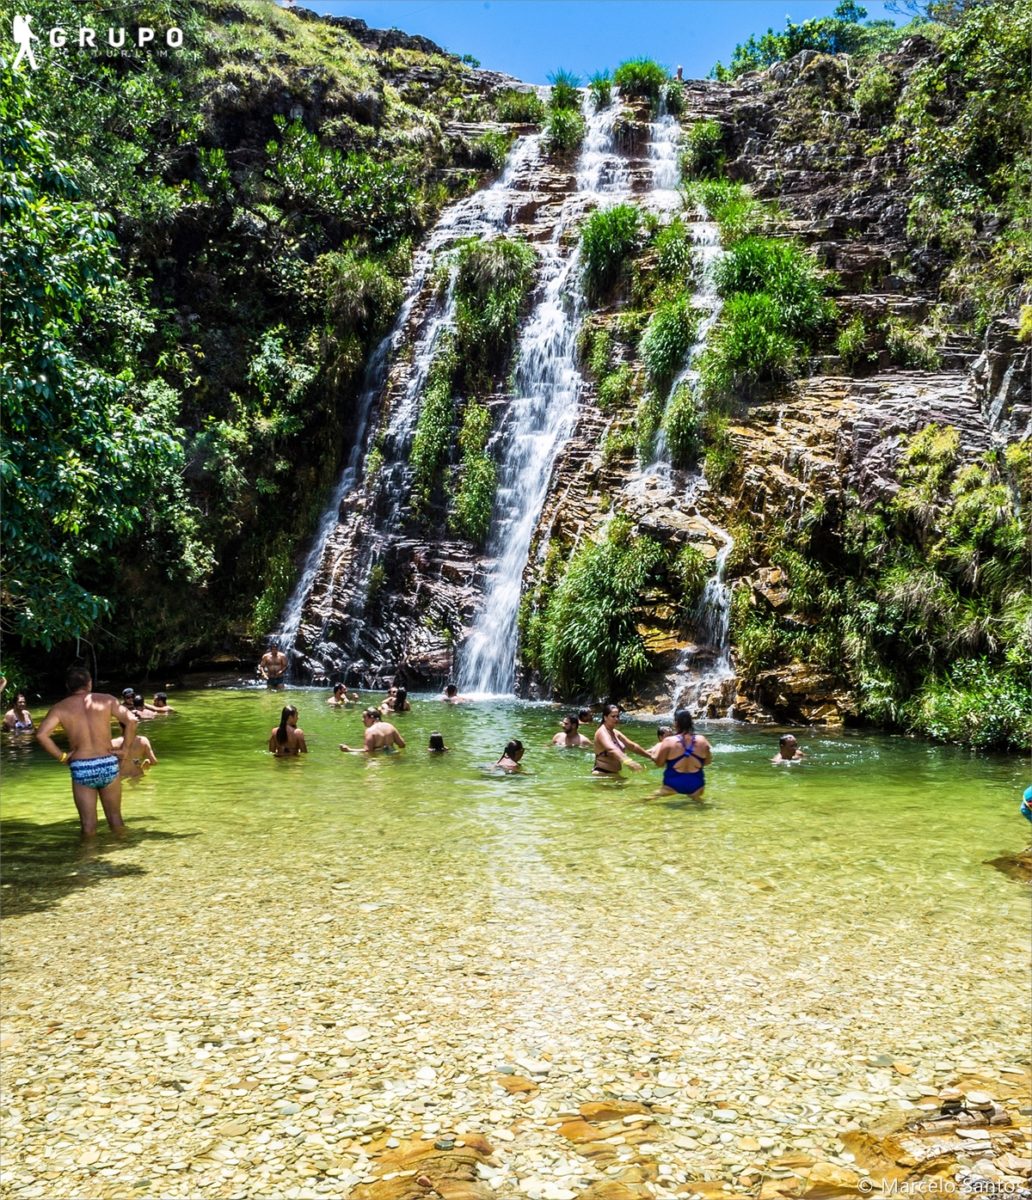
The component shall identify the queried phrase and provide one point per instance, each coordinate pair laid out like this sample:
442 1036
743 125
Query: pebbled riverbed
291 971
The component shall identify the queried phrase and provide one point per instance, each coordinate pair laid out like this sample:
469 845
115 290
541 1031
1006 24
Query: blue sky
531 38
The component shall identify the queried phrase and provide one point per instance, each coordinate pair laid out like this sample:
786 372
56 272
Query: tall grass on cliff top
565 125
641 79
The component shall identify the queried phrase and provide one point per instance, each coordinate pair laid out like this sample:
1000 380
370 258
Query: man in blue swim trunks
86 717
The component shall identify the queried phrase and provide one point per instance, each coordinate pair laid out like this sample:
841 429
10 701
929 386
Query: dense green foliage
226 271
608 239
774 313
702 156
682 427
492 282
730 205
641 78
667 337
565 125
845 32
926 614
92 455
564 93
963 118
564 131
600 88
478 477
589 637
434 433
521 108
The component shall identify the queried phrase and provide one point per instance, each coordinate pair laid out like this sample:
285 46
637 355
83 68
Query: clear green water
803 921
863 807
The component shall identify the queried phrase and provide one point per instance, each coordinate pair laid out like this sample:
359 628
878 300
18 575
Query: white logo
24 37
86 37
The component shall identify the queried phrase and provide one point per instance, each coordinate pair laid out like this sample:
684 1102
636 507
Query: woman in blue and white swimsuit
682 757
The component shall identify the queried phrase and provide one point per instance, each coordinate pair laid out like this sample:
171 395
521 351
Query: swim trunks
94 772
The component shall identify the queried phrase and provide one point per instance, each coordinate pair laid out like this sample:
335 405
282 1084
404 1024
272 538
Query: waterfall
540 418
481 213
702 673
663 148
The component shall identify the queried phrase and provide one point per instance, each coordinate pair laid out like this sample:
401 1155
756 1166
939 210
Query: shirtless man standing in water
273 666
379 735
86 717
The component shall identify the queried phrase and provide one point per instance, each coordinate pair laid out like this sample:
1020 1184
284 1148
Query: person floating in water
397 701
436 744
570 737
380 735
682 759
340 697
586 717
451 695
612 748
86 717
138 758
161 706
788 750
18 719
273 666
511 756
286 739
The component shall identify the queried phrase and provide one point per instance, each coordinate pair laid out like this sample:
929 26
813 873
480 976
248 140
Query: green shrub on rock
600 88
641 79
433 435
608 239
784 271
667 338
564 93
682 425
493 279
478 477
519 108
591 644
564 131
703 154
747 347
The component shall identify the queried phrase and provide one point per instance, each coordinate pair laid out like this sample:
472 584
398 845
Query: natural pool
288 961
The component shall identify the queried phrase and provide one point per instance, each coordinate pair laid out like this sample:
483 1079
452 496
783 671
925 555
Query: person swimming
511 755
436 744
683 761
788 750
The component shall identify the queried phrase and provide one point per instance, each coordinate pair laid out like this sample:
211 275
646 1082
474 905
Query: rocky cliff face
396 603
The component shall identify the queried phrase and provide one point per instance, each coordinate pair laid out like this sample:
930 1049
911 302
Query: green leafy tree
81 459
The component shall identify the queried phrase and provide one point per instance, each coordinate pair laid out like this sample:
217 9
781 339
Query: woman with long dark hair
286 739
613 748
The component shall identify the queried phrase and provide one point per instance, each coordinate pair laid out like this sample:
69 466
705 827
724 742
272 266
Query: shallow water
804 918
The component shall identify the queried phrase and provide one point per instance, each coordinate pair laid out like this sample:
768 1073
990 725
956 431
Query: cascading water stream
540 419
479 214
